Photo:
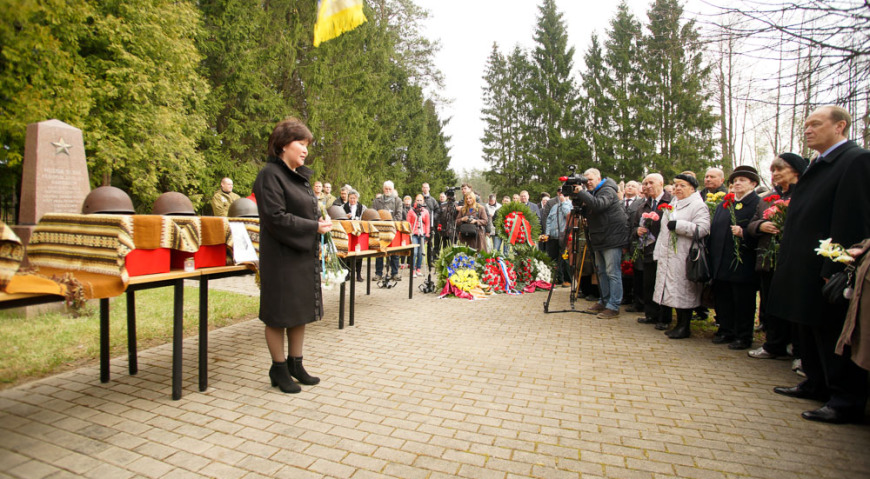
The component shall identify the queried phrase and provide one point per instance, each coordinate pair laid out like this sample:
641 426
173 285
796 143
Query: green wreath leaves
531 217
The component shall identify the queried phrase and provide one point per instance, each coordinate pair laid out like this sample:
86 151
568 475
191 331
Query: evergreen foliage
642 105
174 95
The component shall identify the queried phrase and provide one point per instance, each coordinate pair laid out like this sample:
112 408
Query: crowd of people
639 236
754 261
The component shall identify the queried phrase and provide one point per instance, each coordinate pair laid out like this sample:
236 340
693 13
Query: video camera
572 180
450 192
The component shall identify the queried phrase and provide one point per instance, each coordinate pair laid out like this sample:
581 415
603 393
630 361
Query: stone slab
55 171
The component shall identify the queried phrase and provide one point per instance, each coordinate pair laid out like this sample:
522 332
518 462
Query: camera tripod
576 266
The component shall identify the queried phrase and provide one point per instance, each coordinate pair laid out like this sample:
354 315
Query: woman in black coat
785 170
290 221
735 282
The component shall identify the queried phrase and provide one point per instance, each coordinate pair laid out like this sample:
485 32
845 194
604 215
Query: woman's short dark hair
287 132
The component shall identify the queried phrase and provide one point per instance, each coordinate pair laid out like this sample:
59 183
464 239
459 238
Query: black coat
606 218
289 244
720 244
830 201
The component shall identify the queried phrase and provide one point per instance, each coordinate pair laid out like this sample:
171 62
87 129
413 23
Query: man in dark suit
653 186
632 286
830 201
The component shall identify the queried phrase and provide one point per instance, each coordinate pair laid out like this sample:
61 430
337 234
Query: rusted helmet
336 212
385 215
243 208
173 203
370 215
107 199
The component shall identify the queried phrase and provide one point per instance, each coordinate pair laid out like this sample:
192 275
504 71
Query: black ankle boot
294 366
683 329
280 377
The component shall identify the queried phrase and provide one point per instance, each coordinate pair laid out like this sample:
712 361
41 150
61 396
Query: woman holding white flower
290 222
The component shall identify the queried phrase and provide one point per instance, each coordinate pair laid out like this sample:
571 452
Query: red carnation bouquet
667 210
730 204
776 214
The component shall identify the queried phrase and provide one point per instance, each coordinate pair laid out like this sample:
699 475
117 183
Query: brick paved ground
434 388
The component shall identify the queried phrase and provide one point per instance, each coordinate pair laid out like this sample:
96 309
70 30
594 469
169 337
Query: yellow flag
335 17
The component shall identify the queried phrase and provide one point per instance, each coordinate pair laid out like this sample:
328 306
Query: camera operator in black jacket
607 230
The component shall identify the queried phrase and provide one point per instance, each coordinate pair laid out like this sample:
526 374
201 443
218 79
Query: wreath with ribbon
517 223
445 261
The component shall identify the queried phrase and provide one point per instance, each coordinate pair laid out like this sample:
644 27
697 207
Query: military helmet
370 215
385 215
243 208
107 199
173 203
336 212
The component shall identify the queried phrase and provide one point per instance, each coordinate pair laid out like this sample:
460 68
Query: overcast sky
467 30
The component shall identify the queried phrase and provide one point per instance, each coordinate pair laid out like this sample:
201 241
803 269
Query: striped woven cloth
11 254
91 243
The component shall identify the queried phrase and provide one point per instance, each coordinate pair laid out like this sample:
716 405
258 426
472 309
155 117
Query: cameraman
607 231
447 219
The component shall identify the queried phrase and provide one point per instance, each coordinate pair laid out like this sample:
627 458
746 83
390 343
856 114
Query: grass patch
54 342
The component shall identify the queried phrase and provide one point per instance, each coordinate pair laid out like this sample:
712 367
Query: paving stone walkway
434 388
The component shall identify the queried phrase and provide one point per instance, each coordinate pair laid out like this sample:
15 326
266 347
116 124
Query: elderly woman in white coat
673 290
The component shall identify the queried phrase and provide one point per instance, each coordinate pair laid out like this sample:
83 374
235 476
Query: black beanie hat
797 162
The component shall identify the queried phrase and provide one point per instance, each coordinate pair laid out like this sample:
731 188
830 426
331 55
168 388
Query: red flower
771 198
627 268
728 200
665 206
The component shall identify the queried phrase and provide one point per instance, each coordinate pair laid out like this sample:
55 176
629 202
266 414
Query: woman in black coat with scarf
290 222
735 282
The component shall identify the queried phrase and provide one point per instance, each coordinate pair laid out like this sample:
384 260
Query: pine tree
624 89
507 115
553 99
682 121
597 108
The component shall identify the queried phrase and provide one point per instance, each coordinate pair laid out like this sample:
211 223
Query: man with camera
446 225
607 232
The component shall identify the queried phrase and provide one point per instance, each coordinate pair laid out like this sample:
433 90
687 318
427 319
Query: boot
294 366
683 329
665 315
281 377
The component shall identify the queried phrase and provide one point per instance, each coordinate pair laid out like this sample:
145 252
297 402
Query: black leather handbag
468 230
697 265
839 287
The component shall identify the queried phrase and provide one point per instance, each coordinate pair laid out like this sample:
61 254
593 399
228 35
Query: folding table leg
353 267
104 340
341 290
177 337
132 359
203 332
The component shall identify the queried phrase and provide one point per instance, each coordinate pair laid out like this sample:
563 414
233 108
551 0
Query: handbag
697 266
839 287
468 230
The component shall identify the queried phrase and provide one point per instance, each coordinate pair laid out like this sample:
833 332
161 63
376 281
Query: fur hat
745 171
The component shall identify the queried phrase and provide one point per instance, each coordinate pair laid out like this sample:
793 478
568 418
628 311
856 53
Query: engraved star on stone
61 146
